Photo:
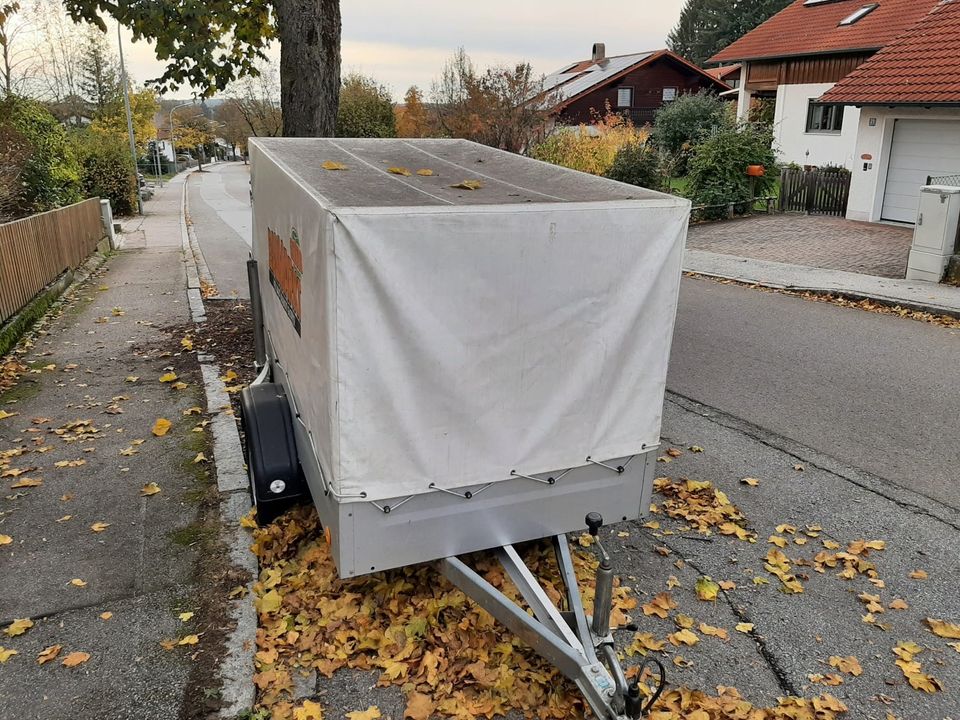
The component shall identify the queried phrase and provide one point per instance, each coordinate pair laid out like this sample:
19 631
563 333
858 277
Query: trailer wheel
276 478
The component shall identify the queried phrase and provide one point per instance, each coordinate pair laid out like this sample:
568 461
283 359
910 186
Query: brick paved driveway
814 240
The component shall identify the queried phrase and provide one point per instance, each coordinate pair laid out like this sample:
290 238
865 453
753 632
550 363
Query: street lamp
173 145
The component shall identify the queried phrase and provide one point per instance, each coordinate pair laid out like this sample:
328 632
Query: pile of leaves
10 371
703 507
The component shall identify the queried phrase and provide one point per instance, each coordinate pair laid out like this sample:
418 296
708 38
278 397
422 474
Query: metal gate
815 192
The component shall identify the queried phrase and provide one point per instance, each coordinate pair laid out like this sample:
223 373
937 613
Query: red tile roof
816 29
723 72
918 67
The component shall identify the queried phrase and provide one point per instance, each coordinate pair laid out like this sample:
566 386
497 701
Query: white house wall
874 142
796 145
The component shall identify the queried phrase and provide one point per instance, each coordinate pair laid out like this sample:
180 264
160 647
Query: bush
590 148
637 163
47 171
366 109
107 171
718 166
681 124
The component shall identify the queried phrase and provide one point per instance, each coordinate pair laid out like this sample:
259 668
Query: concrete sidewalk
910 294
99 561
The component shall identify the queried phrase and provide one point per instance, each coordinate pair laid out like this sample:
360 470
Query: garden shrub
47 169
679 125
718 166
637 163
107 171
590 148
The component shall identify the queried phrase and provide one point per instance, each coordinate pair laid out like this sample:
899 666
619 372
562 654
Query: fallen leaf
752 482
270 602
106 615
661 605
131 378
798 467
99 527
6 654
674 452
70 463
331 165
187 343
899 604
714 631
744 627
681 662
48 654
168 377
179 386
27 482
4 414
585 540
75 658
200 458
696 449
150 489
707 589
419 707
184 616
168 644
78 582
919 575
398 171
229 376
161 427
728 585
18 627
425 172
683 637
944 629
849 664
371 713
468 185
5 539
189 640
778 541
192 411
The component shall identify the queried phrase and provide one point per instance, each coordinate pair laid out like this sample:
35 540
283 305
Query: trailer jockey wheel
276 479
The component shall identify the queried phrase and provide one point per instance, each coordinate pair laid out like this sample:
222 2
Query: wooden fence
36 250
815 192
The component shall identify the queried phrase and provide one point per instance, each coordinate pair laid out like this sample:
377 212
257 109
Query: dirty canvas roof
802 29
918 67
506 178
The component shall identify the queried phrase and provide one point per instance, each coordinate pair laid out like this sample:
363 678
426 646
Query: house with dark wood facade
635 85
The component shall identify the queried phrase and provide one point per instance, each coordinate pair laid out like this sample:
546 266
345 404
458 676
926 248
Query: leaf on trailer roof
331 165
425 172
468 185
398 171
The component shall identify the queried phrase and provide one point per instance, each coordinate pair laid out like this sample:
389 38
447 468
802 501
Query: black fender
276 478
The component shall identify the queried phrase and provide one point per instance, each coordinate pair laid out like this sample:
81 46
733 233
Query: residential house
801 53
908 133
635 85
728 74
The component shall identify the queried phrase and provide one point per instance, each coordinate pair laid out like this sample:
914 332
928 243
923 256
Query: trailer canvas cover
441 337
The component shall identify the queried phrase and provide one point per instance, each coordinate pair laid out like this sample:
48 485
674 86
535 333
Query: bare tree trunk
309 33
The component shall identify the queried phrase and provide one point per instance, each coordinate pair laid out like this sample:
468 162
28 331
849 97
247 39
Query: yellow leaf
468 185
744 627
192 411
27 482
78 582
848 664
131 378
696 449
48 654
75 658
944 629
270 602
899 604
200 458
168 377
371 713
683 637
179 386
187 343
4 414
99 527
5 539
728 585
398 171
752 482
184 616
778 541
229 376
683 621
189 640
161 427
18 627
106 615
419 707
919 575
585 540
672 582
707 589
331 165
425 172
714 631
150 489
6 654
249 520
831 545
760 581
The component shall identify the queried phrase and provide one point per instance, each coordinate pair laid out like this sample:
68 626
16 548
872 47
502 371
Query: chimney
599 52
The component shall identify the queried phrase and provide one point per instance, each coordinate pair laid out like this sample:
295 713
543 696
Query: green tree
679 124
99 73
106 170
707 26
211 44
49 176
366 109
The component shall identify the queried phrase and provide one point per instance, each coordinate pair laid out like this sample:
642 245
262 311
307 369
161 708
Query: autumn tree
413 119
113 122
366 109
707 26
191 129
211 44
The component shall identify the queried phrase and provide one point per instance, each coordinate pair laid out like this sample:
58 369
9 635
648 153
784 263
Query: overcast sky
406 43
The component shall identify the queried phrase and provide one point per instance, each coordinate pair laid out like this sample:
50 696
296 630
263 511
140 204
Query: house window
825 118
862 12
669 94
624 97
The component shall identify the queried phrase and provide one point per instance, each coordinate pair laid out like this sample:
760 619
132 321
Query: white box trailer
473 345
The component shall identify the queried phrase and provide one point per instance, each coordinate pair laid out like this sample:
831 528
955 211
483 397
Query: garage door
921 148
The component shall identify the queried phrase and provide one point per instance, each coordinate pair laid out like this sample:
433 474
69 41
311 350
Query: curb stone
237 689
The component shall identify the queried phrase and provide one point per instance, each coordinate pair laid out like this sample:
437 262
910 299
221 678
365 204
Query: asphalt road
876 392
219 202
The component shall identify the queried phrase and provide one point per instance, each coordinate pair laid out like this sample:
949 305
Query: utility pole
126 107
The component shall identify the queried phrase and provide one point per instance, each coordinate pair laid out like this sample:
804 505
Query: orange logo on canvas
286 272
